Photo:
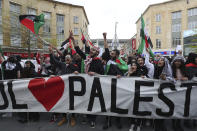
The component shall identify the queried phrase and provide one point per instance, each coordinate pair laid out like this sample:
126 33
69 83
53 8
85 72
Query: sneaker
72 121
64 120
92 124
83 121
53 118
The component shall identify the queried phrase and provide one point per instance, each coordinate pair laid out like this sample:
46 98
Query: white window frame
76 31
60 28
176 15
192 25
15 29
192 11
176 28
75 19
158 30
47 25
158 44
177 42
33 38
158 17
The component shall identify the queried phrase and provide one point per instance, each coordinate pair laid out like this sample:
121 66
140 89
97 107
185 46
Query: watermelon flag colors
145 41
32 22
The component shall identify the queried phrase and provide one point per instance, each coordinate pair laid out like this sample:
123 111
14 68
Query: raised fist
104 35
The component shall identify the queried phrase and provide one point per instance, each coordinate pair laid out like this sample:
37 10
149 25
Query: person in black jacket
93 66
28 72
66 67
191 65
111 68
143 71
162 71
133 70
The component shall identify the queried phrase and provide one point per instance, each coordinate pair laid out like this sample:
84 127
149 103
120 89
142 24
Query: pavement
11 124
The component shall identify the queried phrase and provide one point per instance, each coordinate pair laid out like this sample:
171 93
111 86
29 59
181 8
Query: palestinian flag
70 48
83 39
122 65
32 22
145 41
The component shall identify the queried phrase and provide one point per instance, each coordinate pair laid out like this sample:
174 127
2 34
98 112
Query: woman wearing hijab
162 71
134 72
179 74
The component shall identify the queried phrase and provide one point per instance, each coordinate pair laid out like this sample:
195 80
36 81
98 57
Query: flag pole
44 41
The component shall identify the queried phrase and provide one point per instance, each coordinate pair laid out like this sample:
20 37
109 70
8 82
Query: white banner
100 95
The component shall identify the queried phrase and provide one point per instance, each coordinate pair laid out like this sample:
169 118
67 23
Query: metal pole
116 42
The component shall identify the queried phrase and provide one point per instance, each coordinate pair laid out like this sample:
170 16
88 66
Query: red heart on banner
47 92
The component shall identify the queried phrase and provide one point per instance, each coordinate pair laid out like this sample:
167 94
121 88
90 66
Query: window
192 12
47 27
60 28
176 41
31 11
76 31
76 19
158 17
47 18
192 25
176 28
176 15
15 27
158 30
158 44
1 29
32 37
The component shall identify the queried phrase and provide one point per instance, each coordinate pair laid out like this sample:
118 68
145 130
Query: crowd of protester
67 61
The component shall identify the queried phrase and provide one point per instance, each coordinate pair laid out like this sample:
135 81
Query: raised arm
107 53
78 50
87 48
53 59
105 40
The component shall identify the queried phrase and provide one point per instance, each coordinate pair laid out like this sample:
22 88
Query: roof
155 5
54 1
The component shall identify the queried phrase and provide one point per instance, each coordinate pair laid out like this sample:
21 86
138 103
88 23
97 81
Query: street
11 124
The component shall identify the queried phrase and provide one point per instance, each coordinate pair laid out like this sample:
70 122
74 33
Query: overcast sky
103 14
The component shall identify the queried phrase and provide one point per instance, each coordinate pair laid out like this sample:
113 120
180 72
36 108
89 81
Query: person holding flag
145 49
93 65
115 66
